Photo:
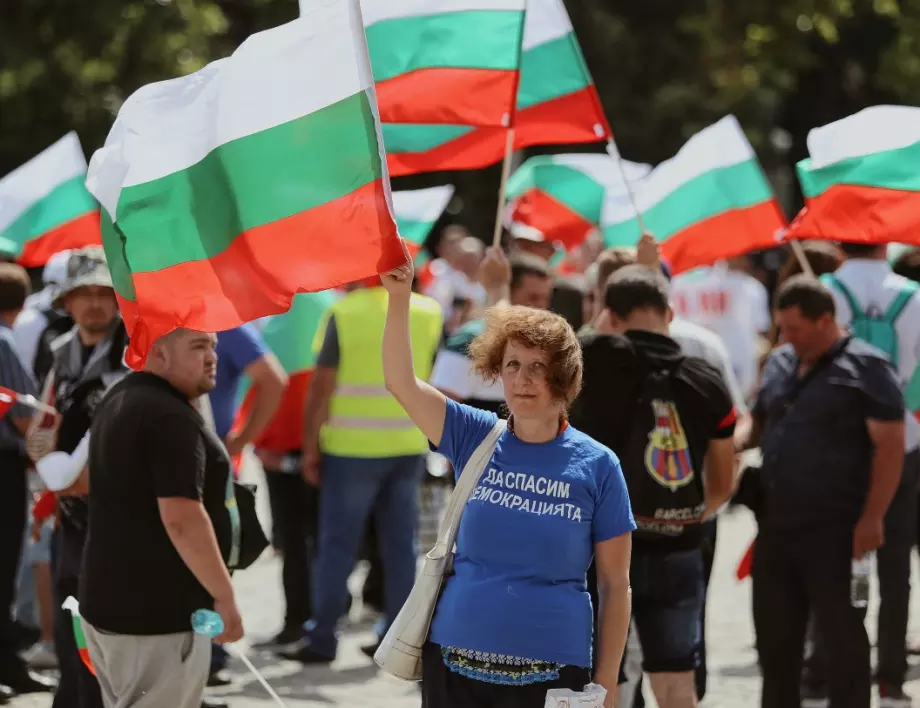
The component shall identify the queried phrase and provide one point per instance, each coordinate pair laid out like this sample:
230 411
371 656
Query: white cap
55 272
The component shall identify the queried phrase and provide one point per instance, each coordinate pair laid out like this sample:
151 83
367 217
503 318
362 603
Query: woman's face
525 377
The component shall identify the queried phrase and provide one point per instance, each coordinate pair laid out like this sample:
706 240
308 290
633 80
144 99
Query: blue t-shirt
526 541
236 349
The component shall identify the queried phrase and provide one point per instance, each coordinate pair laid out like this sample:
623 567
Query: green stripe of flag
414 231
399 137
736 187
264 177
891 169
290 336
551 70
64 203
573 188
405 44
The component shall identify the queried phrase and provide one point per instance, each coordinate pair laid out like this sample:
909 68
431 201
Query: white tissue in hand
57 470
592 697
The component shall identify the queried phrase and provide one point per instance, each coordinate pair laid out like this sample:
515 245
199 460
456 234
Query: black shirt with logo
614 371
147 443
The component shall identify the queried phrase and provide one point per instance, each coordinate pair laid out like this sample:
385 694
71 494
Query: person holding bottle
515 617
829 418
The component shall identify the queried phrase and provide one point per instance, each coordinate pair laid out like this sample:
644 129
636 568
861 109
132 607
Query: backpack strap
900 302
833 281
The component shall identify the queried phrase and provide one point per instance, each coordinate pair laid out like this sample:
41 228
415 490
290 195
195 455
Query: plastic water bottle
207 622
859 581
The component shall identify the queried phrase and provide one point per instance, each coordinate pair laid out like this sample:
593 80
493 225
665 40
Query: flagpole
615 154
506 169
799 253
45 397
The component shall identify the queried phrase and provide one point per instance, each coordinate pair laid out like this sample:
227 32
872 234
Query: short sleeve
16 376
465 428
882 390
175 456
243 346
720 406
612 512
328 356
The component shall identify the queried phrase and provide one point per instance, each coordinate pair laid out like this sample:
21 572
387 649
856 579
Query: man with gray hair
161 531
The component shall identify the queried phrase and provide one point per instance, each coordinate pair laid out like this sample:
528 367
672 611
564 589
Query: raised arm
425 405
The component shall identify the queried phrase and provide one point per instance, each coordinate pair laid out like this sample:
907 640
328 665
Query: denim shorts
667 597
40 551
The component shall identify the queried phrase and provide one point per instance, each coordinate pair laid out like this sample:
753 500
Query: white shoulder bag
400 652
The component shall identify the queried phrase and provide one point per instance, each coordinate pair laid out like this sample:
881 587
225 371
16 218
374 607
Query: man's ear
670 315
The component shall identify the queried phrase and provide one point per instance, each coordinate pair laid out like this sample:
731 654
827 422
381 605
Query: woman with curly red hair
515 617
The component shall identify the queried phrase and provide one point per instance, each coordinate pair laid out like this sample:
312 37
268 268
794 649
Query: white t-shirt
874 284
733 305
450 284
698 341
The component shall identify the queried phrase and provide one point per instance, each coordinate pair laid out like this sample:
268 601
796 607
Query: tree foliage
664 69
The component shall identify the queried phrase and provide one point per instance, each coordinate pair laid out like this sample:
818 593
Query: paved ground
353 682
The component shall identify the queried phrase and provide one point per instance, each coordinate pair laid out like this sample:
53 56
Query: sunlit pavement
352 681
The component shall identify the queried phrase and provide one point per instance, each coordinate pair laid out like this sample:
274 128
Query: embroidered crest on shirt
667 455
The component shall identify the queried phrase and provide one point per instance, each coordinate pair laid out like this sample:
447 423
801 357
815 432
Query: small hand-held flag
9 398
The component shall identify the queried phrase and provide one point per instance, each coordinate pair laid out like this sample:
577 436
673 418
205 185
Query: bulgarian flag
562 195
861 180
416 212
709 202
45 207
445 61
556 103
228 191
290 336
72 606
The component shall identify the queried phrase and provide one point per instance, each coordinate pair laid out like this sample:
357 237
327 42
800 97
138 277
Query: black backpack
665 486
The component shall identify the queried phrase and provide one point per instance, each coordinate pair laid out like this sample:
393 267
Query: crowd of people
630 396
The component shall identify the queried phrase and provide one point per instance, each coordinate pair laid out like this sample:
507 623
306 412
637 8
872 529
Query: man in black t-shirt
160 530
686 419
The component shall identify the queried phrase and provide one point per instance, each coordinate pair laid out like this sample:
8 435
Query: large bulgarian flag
445 61
228 191
861 180
562 195
557 103
709 202
45 206
290 336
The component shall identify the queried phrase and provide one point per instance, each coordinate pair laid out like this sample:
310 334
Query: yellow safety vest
364 418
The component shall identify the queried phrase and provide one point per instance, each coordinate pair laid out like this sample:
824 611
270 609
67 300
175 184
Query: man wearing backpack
663 414
883 309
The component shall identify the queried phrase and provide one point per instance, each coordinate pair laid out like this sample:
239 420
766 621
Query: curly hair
535 329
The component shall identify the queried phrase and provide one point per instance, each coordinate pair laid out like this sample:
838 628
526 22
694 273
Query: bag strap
469 478
900 302
833 281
